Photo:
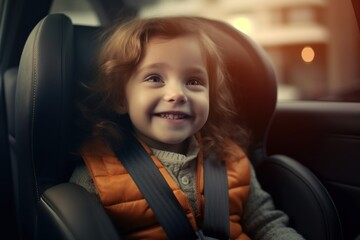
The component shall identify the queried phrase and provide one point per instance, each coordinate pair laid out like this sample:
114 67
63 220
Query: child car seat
56 56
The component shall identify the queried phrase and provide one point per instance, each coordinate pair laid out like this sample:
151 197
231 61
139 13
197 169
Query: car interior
305 153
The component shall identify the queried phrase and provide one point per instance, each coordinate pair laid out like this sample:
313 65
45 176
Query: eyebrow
153 65
192 70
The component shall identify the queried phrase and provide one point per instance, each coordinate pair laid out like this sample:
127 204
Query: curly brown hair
120 54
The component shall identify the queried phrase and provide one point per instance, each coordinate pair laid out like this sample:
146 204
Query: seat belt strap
163 202
216 216
156 191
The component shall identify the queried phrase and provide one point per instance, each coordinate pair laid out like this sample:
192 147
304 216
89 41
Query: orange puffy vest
130 212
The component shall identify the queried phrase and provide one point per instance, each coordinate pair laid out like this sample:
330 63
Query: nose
175 93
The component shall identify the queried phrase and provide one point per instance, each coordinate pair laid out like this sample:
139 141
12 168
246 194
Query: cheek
137 101
140 104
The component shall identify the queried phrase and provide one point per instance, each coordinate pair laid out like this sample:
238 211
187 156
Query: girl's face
168 94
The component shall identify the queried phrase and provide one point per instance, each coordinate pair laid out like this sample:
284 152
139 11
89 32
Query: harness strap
216 216
163 202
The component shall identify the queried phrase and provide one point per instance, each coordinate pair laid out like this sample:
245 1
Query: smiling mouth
173 116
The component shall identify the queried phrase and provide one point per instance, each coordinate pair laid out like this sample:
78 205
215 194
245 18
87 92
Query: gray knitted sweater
261 221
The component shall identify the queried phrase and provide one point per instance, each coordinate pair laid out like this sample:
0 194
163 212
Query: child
163 80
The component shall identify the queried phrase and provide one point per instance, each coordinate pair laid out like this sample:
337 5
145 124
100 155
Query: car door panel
325 137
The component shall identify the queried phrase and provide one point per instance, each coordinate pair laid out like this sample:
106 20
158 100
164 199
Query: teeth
172 116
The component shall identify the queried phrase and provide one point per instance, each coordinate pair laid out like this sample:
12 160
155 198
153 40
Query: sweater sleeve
81 176
261 221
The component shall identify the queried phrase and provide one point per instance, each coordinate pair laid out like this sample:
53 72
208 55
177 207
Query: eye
154 79
194 82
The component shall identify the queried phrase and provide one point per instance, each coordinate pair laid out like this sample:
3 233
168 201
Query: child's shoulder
238 165
234 149
95 146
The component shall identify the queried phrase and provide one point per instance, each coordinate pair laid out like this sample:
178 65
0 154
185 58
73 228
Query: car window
314 45
80 12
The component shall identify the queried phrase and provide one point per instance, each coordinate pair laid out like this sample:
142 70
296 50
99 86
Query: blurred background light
241 23
308 54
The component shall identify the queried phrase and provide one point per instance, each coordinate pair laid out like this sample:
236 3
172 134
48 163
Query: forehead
183 42
177 50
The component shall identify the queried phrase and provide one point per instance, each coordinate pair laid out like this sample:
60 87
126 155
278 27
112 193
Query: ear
122 107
